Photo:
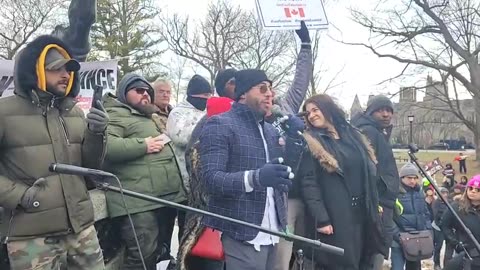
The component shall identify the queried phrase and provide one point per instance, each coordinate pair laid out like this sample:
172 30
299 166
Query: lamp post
410 120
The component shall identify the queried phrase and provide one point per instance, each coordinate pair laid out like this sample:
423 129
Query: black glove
274 174
460 247
294 126
29 198
303 33
97 120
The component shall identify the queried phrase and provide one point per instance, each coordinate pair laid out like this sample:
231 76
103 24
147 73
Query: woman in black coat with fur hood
337 178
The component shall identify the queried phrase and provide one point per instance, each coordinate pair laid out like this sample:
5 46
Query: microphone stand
289 237
414 149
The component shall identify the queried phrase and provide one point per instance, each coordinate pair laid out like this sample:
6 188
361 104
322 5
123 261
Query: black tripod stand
290 237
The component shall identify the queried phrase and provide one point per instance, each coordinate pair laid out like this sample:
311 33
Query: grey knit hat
444 190
408 170
378 102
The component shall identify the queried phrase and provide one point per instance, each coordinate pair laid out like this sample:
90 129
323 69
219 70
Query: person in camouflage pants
41 125
51 252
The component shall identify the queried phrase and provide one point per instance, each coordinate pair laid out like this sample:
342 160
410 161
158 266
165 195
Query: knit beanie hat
474 182
248 78
444 190
198 85
223 76
459 187
408 170
378 102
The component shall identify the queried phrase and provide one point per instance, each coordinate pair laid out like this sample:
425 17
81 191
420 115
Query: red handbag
209 246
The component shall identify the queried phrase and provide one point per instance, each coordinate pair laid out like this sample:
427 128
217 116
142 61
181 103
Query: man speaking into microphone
242 170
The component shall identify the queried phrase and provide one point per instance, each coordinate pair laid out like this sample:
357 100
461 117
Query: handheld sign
287 14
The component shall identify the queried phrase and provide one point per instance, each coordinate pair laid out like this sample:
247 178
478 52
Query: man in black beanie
185 116
225 83
180 124
375 123
243 174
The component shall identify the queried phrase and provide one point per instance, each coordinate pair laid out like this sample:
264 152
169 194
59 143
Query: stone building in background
434 121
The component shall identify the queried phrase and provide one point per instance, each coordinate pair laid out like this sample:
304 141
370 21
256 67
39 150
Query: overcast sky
362 70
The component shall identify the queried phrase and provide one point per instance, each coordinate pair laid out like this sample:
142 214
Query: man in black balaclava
180 124
185 116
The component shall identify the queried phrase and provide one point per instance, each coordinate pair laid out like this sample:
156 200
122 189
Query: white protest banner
6 78
102 73
287 14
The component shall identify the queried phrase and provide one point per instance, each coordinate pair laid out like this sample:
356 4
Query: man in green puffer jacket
51 215
144 162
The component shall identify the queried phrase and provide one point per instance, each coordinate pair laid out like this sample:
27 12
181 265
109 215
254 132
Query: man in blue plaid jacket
241 167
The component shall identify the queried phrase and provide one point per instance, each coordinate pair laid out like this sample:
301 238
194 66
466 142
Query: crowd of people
280 162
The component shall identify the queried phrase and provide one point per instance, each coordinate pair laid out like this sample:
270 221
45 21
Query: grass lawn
425 156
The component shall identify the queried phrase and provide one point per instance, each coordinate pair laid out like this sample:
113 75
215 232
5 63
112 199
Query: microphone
75 170
282 118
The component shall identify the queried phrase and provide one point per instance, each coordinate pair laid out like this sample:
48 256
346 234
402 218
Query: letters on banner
102 73
286 14
433 166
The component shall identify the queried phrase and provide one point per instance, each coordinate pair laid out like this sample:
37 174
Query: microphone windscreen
276 110
51 168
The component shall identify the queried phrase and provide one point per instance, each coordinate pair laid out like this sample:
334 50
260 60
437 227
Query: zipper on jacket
12 213
64 127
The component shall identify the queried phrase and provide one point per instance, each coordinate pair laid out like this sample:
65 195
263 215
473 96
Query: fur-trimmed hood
25 70
327 159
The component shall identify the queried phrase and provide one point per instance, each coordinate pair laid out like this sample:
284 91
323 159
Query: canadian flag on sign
294 12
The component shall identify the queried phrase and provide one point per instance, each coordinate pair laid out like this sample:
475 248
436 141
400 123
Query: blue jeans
399 262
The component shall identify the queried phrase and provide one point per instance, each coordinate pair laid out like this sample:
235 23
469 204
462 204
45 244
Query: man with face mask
183 118
51 215
140 155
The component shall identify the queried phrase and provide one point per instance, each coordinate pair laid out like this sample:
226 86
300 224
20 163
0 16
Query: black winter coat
389 182
439 208
415 216
329 202
454 233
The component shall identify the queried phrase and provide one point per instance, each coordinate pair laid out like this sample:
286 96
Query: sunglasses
473 188
264 88
141 91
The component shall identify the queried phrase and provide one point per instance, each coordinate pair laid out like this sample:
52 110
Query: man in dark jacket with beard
375 123
51 223
143 159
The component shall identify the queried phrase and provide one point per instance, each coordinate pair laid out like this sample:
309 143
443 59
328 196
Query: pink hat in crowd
474 182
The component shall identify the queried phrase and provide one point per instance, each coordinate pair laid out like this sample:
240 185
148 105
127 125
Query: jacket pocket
165 176
50 197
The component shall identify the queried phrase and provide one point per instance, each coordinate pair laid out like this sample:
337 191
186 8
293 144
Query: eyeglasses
473 188
264 88
141 91
164 93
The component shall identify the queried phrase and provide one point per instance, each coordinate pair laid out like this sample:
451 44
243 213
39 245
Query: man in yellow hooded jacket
51 215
